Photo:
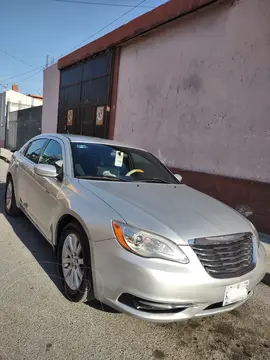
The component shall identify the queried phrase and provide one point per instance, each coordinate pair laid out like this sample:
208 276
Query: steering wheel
131 172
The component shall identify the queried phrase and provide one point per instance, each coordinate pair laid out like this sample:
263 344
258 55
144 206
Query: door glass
53 155
34 150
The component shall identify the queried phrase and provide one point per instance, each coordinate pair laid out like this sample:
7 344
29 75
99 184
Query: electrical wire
21 74
14 57
28 77
41 68
102 4
105 27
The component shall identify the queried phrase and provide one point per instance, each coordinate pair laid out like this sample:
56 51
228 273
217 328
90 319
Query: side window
34 150
53 155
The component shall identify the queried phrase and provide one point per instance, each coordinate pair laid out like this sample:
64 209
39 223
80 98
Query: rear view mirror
178 177
46 170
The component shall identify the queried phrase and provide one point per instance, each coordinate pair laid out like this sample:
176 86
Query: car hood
177 212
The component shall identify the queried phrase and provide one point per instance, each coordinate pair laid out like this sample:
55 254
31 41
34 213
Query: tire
11 208
81 291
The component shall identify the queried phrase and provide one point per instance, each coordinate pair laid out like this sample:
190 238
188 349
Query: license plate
235 293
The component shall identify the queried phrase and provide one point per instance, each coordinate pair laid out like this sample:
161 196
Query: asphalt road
37 322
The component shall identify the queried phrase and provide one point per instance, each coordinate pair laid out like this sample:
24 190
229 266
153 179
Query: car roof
92 140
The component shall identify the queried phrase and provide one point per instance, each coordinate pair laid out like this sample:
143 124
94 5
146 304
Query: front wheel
11 208
74 262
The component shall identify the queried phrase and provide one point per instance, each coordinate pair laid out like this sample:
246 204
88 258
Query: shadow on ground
40 248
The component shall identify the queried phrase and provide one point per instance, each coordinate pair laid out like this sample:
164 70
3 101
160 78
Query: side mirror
13 150
46 170
178 177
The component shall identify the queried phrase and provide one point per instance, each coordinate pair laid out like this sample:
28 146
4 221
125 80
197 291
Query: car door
26 186
46 204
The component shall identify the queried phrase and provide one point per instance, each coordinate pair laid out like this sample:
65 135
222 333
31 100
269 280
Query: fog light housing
152 306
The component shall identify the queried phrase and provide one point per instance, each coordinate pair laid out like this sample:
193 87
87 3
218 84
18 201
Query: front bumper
117 272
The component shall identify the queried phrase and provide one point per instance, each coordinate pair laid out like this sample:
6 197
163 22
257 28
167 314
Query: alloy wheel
72 262
9 195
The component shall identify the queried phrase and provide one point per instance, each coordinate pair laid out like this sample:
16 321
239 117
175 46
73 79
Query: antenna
47 61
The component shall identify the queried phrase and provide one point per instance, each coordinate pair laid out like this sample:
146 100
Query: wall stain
192 82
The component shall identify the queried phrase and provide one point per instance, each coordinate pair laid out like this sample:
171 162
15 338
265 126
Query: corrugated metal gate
22 125
11 131
85 97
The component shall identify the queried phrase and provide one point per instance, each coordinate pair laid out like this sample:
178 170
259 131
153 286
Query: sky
32 29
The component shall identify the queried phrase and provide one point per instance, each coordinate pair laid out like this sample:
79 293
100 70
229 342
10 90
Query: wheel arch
63 221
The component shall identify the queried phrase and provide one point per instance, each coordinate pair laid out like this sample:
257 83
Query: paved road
37 322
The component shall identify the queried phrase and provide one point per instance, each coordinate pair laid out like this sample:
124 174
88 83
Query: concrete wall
51 83
17 101
196 92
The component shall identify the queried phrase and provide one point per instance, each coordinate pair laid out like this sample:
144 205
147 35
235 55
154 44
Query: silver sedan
129 233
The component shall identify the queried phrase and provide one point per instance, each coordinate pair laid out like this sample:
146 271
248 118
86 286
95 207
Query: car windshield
108 162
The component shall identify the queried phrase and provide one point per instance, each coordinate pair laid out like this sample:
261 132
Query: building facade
12 100
188 81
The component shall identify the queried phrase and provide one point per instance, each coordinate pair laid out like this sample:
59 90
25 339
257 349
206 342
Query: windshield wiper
112 178
156 180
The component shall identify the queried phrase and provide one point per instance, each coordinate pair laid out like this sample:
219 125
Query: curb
5 155
4 159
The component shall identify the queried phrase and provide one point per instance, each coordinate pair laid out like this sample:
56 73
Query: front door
46 204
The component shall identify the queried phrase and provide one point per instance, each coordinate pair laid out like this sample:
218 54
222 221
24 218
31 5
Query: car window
108 161
140 162
34 150
52 155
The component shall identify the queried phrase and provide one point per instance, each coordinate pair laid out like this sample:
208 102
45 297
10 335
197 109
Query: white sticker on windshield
119 158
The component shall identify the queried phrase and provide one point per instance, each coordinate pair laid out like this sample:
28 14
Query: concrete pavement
37 322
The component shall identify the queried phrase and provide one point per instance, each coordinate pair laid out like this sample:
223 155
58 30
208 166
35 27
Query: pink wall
197 92
51 83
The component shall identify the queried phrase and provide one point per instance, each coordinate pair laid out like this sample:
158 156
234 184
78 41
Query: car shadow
40 248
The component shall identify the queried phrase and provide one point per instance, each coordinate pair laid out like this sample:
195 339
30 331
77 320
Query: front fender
94 215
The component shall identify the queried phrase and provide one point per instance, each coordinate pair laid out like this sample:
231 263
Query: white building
12 100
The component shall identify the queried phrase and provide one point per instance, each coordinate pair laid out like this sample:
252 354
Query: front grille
229 257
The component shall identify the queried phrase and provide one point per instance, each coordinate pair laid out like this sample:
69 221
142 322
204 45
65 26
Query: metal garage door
85 97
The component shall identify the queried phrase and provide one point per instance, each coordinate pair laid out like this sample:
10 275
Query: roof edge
136 27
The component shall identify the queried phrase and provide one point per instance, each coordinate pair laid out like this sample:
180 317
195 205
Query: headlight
255 233
147 244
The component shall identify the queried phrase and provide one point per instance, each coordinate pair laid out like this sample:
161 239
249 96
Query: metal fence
21 126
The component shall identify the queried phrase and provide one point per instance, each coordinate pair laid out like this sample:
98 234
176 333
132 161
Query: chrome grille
229 257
